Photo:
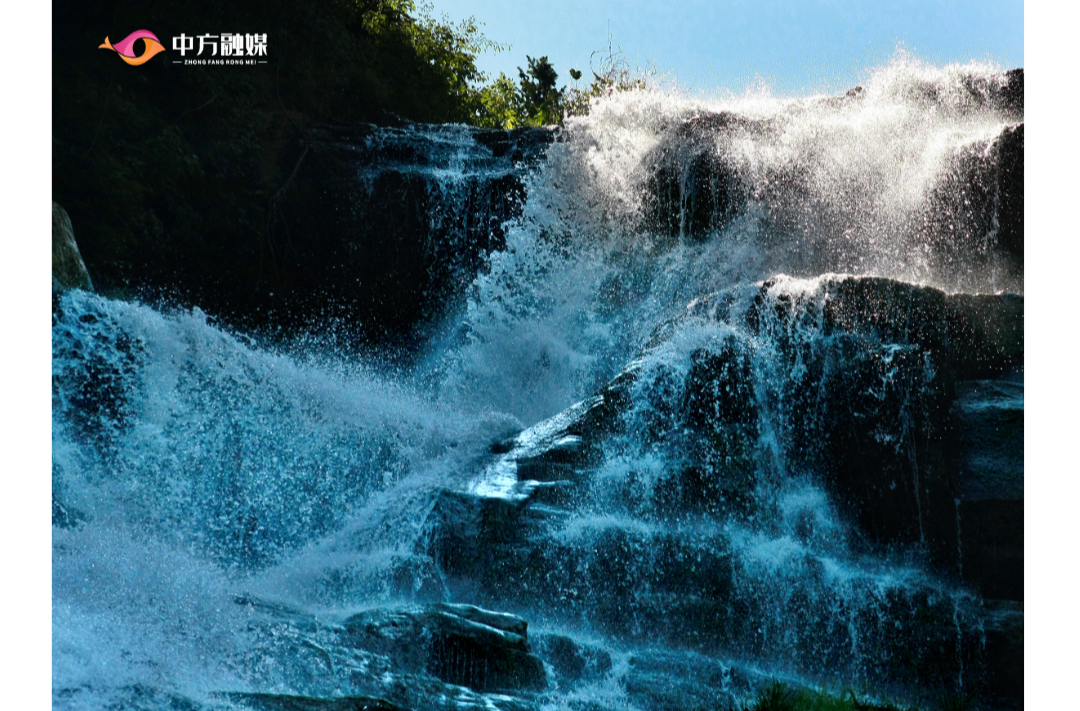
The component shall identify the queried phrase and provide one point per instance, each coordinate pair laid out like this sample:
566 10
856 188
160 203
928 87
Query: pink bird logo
126 47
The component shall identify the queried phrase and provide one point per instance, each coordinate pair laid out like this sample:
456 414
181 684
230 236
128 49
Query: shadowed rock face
1009 152
380 228
68 270
459 644
693 187
988 451
891 365
387 226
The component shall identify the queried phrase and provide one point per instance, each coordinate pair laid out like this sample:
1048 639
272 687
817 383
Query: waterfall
704 393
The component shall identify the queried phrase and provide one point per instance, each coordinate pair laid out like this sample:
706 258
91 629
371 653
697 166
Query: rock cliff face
381 228
68 270
700 177
905 401
387 226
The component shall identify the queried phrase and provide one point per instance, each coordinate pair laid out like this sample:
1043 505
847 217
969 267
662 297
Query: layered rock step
403 657
735 548
441 656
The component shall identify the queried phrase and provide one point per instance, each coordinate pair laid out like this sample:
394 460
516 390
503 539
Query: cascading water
742 475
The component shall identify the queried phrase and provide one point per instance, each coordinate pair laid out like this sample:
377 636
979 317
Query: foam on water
832 185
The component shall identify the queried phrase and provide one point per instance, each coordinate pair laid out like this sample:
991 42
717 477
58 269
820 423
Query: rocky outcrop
980 200
459 644
379 660
905 401
378 227
693 188
573 662
695 181
386 226
68 269
442 656
1009 159
889 366
1005 654
685 682
1009 95
987 447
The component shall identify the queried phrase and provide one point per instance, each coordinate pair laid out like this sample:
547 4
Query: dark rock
1011 96
692 188
881 359
432 658
572 661
466 527
469 655
880 366
563 655
719 389
900 481
459 644
878 361
973 218
1005 654
992 546
988 453
372 227
976 335
989 419
1008 153
378 227
68 269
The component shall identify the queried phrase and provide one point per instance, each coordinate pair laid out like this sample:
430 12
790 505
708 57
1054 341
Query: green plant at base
776 696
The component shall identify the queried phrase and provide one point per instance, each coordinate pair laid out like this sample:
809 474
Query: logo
126 47
234 48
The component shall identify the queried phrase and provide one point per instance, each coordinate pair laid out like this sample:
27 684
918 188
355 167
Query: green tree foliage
540 100
500 105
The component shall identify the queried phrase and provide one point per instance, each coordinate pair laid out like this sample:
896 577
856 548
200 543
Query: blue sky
793 47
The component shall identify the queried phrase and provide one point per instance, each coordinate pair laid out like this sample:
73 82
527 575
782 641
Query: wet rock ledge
442 656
